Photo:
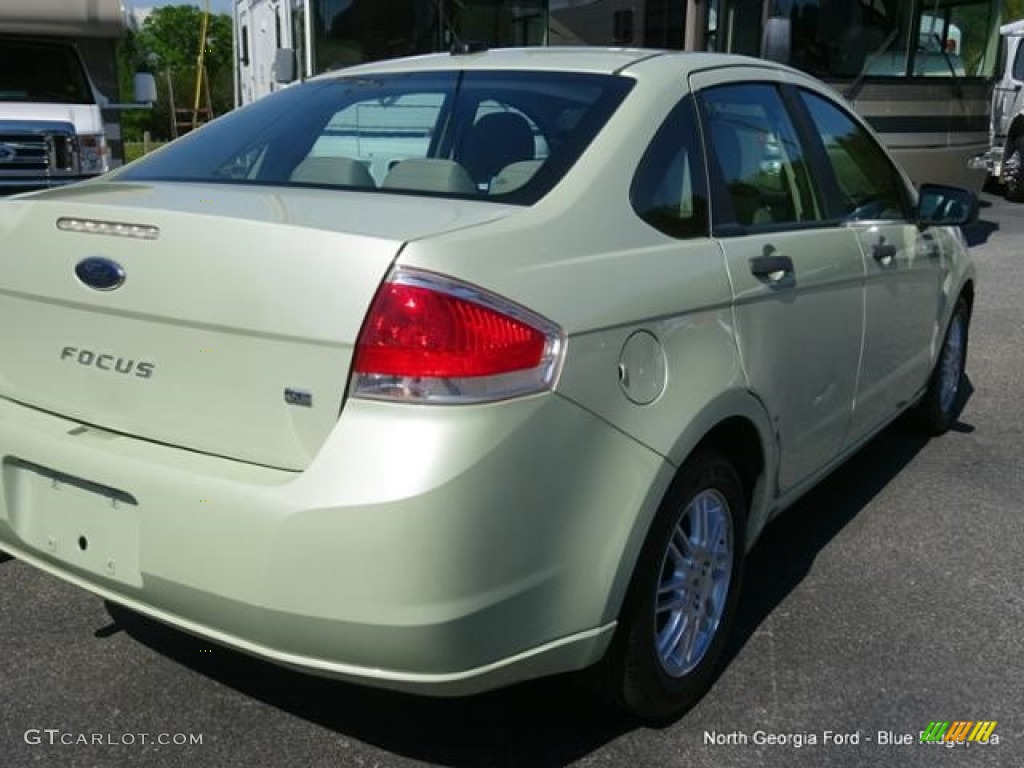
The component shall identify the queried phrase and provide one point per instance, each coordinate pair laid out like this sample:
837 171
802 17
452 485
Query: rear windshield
42 72
510 135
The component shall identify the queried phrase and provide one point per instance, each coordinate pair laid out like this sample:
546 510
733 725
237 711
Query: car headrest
430 174
342 171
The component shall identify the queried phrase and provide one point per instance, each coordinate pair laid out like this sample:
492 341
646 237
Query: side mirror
144 86
946 206
284 65
777 39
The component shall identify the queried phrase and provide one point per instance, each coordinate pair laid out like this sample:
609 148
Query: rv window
1018 63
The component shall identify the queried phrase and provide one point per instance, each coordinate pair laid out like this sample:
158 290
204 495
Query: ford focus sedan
444 373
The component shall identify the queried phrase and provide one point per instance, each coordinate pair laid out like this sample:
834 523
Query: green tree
172 33
168 45
133 121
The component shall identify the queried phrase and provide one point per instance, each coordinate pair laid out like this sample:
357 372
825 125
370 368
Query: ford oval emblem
99 273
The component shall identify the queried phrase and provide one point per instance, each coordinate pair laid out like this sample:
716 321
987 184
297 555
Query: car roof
555 59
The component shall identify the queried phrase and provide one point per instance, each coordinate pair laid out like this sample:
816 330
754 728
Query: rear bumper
991 161
440 550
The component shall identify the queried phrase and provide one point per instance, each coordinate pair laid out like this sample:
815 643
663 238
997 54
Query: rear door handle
884 253
772 268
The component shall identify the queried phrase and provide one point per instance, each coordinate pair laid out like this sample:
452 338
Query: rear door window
757 156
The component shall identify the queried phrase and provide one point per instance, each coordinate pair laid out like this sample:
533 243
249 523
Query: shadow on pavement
543 723
546 722
4 557
784 554
991 187
787 549
978 232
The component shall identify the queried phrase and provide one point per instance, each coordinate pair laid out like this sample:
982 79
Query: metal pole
199 65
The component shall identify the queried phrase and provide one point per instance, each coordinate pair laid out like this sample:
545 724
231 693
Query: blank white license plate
84 524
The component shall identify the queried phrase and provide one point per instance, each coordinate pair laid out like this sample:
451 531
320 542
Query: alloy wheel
952 364
694 583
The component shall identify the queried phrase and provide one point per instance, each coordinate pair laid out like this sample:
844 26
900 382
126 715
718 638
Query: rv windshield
42 72
894 38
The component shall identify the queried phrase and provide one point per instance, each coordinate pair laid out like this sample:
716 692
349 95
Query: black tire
649 681
1013 173
938 409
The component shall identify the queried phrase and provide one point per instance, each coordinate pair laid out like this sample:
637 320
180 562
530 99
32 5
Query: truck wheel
1013 173
683 596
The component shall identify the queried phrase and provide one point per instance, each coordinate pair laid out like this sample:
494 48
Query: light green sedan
444 373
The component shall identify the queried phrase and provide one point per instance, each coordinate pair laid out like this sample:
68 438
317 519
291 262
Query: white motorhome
279 41
58 64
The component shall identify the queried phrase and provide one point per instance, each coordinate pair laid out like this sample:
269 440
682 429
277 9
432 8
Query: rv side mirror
144 86
776 42
284 65
622 27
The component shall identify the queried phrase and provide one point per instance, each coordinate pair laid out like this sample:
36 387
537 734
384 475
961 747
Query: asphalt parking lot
891 597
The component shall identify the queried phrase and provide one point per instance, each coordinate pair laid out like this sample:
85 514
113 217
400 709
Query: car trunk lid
233 330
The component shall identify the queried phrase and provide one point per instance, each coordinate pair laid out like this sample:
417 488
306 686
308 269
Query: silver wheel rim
693 585
951 365
1010 168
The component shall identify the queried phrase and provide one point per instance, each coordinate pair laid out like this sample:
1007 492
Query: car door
798 279
902 264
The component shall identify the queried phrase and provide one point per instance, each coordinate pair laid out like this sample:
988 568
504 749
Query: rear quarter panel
584 259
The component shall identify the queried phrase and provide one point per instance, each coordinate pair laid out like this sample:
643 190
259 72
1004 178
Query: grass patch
133 150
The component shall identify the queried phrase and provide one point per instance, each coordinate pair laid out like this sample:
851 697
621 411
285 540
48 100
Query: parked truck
59 122
1005 157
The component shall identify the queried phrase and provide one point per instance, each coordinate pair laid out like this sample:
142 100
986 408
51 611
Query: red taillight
429 338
